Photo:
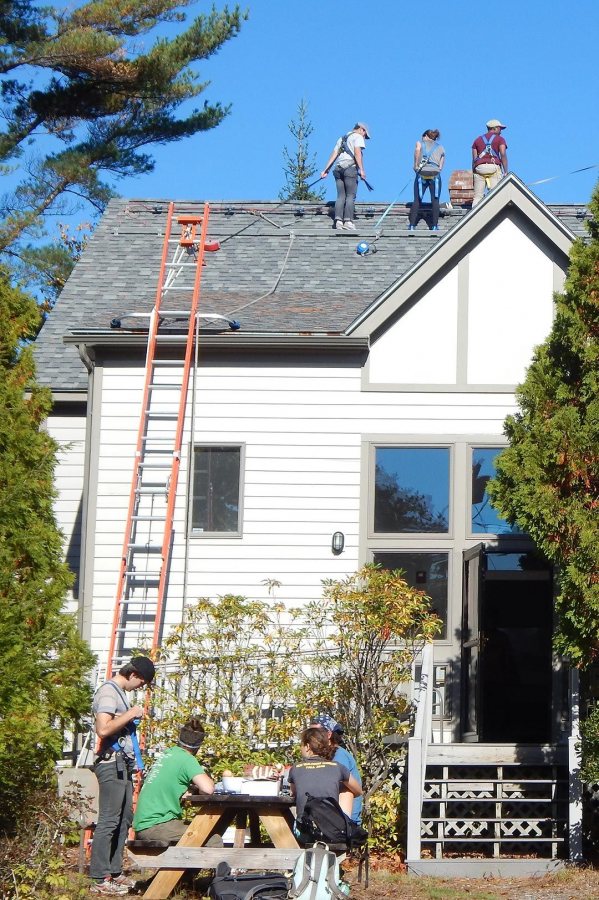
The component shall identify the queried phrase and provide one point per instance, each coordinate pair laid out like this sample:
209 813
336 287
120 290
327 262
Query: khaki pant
173 830
493 177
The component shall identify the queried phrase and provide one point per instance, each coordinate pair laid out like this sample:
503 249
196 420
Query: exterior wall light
338 542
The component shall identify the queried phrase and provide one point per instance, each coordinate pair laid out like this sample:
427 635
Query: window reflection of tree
399 509
480 498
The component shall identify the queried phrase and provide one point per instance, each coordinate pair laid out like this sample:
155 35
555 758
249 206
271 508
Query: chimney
461 187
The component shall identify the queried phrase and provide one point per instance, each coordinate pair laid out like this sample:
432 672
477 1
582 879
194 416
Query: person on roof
114 765
159 815
429 156
350 803
489 159
347 157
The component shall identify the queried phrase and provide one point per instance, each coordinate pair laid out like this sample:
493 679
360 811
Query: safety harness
345 148
130 730
425 178
488 150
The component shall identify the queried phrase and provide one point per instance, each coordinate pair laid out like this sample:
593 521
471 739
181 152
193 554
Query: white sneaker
338 225
349 226
108 887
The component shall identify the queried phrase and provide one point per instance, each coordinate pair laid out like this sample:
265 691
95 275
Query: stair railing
417 752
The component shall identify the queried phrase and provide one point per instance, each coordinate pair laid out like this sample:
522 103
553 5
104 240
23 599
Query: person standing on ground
114 765
347 157
429 156
489 159
348 801
159 815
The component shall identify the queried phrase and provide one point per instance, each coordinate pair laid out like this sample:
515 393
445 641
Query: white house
362 394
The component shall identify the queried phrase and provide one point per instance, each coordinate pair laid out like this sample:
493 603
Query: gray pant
115 814
346 181
173 830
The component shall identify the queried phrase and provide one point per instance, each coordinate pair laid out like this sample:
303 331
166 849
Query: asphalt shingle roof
281 269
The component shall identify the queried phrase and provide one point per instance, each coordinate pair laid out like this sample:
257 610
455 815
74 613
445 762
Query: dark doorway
507 694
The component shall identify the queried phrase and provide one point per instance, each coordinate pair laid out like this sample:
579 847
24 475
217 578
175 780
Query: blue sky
401 67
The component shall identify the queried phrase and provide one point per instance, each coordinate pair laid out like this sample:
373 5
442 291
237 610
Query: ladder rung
152 465
167 362
150 576
158 440
145 548
164 387
161 415
148 518
157 489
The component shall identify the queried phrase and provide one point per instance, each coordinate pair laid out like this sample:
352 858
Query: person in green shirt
159 816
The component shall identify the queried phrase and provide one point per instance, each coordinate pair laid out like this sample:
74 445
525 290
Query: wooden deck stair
494 808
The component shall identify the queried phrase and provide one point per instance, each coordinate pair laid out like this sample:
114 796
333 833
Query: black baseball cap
144 667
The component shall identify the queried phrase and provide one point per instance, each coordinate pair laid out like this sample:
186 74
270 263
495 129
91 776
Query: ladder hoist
147 546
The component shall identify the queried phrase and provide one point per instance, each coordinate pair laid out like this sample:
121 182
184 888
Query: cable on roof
563 175
278 279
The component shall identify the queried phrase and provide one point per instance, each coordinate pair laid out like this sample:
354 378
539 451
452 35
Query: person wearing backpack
429 157
349 164
318 775
489 159
350 804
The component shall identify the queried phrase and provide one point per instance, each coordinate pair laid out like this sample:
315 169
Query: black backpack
259 885
324 820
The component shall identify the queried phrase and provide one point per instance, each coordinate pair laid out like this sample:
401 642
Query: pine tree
299 166
548 478
43 662
76 87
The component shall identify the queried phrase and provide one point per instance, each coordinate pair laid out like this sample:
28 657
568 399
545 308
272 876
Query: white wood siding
69 432
302 430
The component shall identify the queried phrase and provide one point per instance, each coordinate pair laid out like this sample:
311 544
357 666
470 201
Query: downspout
88 361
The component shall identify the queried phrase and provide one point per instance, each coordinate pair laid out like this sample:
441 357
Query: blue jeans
433 185
346 181
115 814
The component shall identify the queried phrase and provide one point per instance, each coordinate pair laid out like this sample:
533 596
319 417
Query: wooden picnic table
214 814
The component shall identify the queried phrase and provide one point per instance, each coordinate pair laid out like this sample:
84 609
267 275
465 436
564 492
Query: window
426 571
484 518
411 490
216 498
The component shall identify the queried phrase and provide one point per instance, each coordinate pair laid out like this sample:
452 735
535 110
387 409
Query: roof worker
350 803
489 159
114 765
159 815
347 157
429 157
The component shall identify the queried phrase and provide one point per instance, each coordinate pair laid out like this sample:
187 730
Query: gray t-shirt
111 699
318 777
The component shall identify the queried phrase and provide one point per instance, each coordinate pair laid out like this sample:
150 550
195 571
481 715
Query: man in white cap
349 164
489 159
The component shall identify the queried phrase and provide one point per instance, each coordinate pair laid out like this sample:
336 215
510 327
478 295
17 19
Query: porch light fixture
337 542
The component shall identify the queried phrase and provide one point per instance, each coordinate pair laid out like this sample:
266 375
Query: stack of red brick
461 187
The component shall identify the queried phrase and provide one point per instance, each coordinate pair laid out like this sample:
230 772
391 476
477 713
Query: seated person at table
351 805
159 816
318 774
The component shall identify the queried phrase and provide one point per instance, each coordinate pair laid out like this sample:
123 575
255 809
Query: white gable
510 305
477 325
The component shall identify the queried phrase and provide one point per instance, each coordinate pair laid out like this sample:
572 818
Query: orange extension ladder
147 546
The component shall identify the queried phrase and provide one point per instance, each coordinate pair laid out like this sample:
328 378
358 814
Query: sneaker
349 226
411 229
124 879
338 225
434 227
109 887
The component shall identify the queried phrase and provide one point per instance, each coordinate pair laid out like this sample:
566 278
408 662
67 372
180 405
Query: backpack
258 885
324 820
316 876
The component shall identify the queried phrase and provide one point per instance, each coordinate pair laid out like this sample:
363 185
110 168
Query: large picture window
411 490
484 518
216 497
426 571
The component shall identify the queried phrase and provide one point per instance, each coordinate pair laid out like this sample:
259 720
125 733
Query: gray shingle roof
277 271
